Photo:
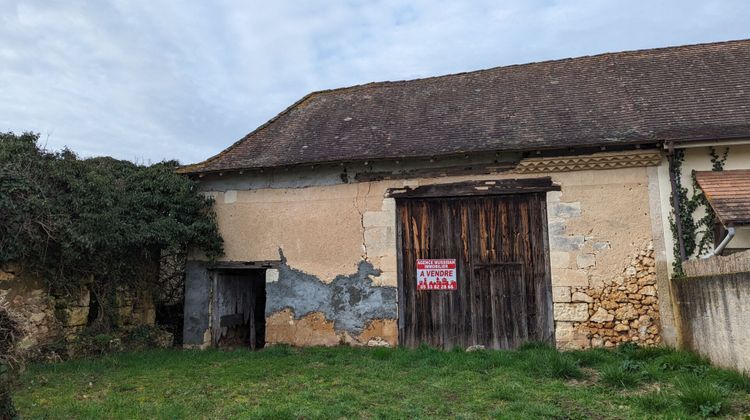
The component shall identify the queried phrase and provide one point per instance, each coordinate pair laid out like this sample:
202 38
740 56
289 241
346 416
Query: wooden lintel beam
480 169
476 188
245 265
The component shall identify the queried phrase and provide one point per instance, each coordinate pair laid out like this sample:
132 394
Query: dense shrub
101 223
9 333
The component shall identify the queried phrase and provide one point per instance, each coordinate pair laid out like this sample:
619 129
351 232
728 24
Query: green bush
92 342
101 223
10 360
7 409
102 339
145 336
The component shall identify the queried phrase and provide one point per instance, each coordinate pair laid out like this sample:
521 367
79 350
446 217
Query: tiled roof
728 192
688 93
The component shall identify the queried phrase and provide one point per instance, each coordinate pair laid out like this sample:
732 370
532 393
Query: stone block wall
601 297
134 308
379 242
48 319
30 301
73 312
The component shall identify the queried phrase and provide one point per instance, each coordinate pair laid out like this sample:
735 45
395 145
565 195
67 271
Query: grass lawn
285 382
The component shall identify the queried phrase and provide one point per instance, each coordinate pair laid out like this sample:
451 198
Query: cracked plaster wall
597 224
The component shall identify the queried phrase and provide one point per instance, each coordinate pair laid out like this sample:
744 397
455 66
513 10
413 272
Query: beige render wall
600 228
699 159
319 229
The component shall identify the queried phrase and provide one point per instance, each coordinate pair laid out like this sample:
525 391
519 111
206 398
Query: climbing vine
697 235
98 223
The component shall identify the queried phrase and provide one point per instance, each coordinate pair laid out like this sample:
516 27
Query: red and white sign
436 275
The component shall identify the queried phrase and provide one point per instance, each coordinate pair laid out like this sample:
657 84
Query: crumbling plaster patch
315 330
350 302
311 330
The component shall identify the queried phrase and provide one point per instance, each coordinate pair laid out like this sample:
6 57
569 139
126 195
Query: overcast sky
149 80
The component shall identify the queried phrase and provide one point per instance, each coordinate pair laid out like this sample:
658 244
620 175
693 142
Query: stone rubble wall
73 312
624 309
48 319
34 307
600 298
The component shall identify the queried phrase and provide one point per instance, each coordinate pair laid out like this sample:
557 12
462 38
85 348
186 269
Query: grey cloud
146 80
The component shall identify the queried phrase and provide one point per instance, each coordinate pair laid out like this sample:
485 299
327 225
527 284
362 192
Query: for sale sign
436 275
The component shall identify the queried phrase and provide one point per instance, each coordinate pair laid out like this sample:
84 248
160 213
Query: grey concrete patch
350 301
197 296
713 317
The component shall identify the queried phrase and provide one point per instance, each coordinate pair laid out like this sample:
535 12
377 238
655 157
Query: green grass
284 382
700 397
619 376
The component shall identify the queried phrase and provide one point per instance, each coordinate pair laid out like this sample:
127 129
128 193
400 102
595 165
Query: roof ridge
384 83
612 57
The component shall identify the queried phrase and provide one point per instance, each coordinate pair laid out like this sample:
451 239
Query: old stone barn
519 203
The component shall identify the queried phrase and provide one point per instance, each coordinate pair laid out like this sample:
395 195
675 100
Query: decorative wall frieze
589 162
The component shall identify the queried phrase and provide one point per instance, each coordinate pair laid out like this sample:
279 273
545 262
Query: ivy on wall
697 235
98 223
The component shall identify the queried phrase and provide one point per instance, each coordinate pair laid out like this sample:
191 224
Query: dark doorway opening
239 315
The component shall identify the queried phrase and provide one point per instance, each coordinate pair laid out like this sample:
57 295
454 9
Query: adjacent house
495 207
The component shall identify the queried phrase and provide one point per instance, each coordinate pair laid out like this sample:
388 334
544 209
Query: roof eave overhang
586 148
706 142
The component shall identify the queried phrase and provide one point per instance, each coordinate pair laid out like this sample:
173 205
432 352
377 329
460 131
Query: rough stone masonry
594 311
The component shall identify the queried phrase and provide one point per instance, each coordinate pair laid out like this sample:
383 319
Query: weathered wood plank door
500 246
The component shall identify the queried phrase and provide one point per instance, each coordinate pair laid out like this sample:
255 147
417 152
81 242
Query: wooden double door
503 293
